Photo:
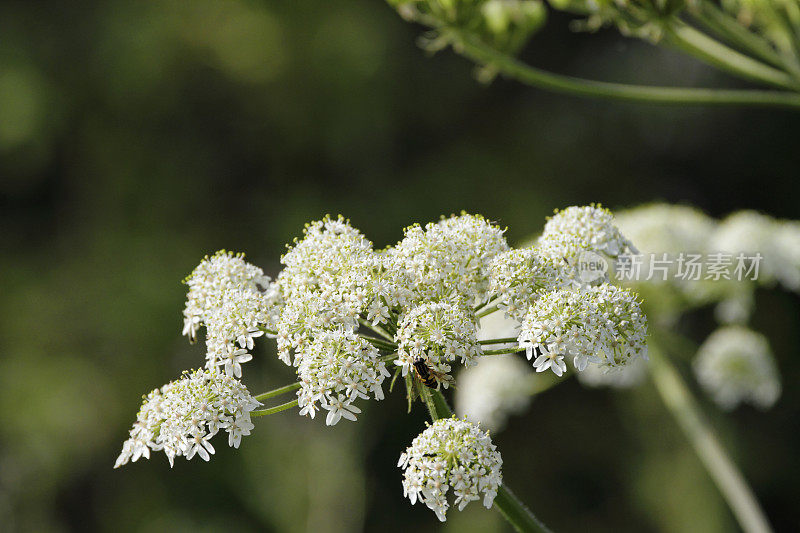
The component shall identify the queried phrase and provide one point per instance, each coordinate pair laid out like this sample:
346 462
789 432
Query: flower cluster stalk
684 408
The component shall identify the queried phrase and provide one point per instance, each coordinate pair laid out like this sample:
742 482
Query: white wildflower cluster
439 333
519 277
778 241
232 299
451 454
735 365
336 369
591 225
450 257
664 230
494 389
181 417
603 325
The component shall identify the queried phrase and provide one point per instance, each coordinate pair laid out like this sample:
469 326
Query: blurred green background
135 137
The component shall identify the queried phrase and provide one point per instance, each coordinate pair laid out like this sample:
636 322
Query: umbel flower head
450 257
519 277
182 416
602 325
336 369
232 299
451 454
592 225
736 365
440 333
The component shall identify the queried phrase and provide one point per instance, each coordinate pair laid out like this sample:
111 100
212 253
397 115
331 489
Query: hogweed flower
440 333
519 276
232 299
602 325
590 224
181 417
336 369
451 454
449 257
736 365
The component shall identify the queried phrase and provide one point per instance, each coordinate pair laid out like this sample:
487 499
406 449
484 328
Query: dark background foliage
135 137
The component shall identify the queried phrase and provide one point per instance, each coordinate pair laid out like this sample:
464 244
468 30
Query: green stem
277 392
388 357
273 410
517 513
487 311
501 351
498 341
379 343
715 53
682 405
512 509
716 20
377 329
481 53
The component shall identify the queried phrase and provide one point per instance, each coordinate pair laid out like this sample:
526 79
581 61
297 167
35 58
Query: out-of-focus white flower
451 454
519 276
498 326
603 325
751 233
492 390
183 415
681 232
778 241
440 333
734 365
786 244
660 228
335 369
623 377
449 257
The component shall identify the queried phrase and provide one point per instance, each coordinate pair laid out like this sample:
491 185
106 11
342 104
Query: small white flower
338 408
198 444
238 428
233 360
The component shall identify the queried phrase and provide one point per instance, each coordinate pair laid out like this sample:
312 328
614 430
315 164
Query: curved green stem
506 502
277 392
712 17
273 410
379 343
487 311
377 329
715 53
481 53
723 471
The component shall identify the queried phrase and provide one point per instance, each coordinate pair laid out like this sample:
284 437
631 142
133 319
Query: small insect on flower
430 378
